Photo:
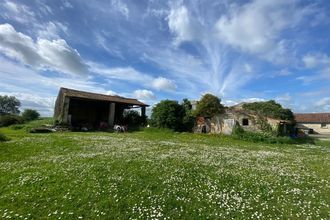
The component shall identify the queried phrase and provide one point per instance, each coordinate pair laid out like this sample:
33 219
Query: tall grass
3 137
241 134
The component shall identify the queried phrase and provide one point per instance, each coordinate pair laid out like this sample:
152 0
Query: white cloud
132 75
323 104
162 83
316 60
144 94
120 73
44 105
285 100
320 63
283 72
110 92
121 7
17 12
54 55
37 91
11 6
253 100
52 30
67 4
255 27
180 24
248 68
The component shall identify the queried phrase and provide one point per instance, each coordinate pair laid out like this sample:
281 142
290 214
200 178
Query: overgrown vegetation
133 120
170 114
209 106
268 137
270 109
6 120
30 114
3 137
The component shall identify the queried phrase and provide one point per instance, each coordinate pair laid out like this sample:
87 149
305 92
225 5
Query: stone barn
313 123
92 110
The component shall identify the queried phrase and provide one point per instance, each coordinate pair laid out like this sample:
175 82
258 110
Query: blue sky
158 49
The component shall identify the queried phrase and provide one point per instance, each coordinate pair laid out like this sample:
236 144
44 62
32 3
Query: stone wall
316 127
226 122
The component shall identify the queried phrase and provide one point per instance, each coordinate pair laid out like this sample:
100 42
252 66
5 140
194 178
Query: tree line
10 113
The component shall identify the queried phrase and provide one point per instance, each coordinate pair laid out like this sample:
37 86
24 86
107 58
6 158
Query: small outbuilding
86 109
313 123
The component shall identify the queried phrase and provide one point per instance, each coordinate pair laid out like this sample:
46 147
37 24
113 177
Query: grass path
160 175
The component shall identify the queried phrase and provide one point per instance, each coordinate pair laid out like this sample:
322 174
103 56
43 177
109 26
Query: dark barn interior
88 112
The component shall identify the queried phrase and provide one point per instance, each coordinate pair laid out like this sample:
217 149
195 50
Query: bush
209 106
3 137
6 120
133 119
168 114
30 114
16 127
239 133
188 120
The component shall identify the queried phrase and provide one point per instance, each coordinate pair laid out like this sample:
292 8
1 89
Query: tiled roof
95 96
312 117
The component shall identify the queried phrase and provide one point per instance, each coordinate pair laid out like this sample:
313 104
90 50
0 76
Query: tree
132 117
9 105
209 106
270 109
188 120
30 114
168 114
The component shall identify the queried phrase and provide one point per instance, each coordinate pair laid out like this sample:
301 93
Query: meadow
159 174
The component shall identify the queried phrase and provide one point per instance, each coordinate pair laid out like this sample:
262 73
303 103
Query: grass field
160 175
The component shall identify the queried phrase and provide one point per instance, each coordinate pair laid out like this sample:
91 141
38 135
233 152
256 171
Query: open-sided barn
79 108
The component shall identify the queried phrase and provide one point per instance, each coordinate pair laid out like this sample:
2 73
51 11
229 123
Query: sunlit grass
156 174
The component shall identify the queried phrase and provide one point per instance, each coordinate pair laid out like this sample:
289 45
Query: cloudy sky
157 49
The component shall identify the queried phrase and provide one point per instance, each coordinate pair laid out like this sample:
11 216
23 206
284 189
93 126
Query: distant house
86 109
318 123
224 123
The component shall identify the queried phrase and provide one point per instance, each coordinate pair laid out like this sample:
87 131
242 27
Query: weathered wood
66 110
112 109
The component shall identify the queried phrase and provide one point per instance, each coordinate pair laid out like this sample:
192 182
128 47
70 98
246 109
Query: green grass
158 174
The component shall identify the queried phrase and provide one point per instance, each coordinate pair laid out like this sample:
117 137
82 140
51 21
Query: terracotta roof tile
312 117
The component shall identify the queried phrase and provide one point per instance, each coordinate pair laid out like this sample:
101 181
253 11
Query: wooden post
143 116
66 105
143 111
111 118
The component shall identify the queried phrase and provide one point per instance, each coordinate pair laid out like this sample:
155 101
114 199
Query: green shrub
132 117
3 137
209 106
6 120
238 130
239 133
16 127
188 120
30 114
168 114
